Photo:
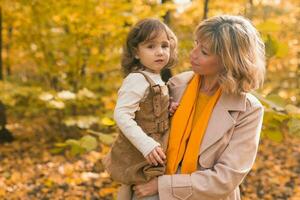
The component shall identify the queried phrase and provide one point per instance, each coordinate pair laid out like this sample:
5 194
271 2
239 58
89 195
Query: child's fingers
157 157
153 159
148 160
172 109
161 153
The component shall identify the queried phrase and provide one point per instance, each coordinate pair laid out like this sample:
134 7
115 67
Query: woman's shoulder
252 101
243 102
181 78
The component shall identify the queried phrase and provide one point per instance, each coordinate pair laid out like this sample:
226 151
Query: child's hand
173 106
156 156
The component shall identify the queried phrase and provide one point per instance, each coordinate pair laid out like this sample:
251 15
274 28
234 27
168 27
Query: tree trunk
166 74
1 70
249 9
5 135
205 11
7 47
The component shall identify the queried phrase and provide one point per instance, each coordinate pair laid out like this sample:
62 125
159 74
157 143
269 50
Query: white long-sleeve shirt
132 92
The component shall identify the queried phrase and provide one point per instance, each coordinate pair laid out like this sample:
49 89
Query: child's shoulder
134 82
135 77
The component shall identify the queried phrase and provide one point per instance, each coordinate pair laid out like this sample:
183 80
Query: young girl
141 112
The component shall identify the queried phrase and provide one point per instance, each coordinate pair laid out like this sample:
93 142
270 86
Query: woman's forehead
204 42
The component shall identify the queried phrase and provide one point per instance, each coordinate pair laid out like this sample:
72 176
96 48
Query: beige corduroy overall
124 162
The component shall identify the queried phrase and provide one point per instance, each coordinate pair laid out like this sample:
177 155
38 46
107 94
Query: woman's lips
193 64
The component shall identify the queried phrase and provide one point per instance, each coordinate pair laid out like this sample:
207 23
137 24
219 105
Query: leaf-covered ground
29 171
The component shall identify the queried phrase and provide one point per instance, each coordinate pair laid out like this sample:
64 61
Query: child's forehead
155 34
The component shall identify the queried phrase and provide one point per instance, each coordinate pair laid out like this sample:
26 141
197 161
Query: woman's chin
195 69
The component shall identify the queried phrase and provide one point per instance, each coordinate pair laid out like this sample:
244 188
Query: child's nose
159 51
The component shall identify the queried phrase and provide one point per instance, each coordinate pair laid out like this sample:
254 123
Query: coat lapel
221 120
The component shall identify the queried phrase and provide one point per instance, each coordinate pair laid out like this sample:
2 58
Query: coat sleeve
228 171
178 83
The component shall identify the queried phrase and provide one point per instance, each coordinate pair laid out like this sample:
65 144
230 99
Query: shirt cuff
150 146
164 187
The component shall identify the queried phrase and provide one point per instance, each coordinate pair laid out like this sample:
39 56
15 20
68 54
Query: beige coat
227 152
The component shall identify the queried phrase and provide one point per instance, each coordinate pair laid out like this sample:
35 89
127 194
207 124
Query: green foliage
106 139
76 147
279 118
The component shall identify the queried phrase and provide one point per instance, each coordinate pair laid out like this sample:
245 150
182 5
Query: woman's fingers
146 189
139 194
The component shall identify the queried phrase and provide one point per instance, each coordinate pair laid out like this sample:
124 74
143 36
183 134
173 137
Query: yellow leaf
107 121
48 183
2 192
107 191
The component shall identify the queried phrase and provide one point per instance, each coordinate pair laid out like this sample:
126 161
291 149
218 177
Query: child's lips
159 60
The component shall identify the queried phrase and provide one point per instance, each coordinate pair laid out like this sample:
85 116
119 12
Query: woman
215 131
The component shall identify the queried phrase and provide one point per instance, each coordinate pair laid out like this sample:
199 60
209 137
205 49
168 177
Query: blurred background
59 76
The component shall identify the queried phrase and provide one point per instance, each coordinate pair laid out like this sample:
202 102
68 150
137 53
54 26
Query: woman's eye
151 46
165 46
204 53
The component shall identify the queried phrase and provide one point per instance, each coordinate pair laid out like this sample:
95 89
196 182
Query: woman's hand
147 189
156 156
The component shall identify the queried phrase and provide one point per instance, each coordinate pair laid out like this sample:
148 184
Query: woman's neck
209 84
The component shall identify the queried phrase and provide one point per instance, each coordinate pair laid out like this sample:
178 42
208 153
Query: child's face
154 54
203 62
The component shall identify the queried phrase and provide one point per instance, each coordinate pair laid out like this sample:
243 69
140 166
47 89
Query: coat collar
221 119
233 102
230 102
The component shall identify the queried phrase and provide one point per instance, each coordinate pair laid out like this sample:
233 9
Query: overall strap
153 86
156 89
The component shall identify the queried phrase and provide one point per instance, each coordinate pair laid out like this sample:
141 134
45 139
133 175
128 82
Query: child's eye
150 46
165 46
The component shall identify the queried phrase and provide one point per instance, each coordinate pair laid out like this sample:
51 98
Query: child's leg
154 197
124 192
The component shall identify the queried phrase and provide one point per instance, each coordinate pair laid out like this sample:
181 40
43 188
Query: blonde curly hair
241 50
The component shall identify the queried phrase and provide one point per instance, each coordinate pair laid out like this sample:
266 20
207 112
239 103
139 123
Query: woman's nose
193 53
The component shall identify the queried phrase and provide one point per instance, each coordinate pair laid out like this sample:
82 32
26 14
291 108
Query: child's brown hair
144 30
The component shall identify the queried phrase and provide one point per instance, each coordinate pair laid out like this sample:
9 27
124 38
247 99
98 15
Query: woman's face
204 62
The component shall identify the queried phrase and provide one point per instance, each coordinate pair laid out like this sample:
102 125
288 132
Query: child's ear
135 51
